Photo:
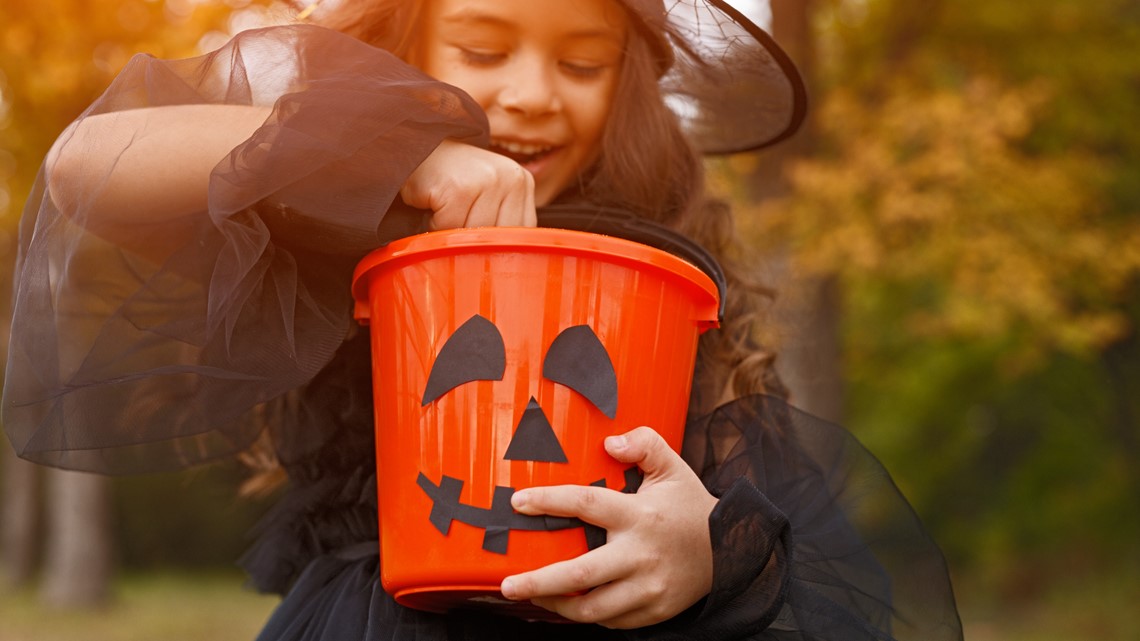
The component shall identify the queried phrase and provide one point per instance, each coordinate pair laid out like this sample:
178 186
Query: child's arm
120 172
146 164
151 329
153 164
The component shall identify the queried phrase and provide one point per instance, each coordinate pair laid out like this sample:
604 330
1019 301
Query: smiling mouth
522 153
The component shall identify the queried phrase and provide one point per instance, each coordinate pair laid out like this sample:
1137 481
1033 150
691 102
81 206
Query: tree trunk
18 520
807 310
77 560
810 358
19 488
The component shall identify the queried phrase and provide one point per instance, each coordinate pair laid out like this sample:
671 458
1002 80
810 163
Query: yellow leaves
56 56
17 39
941 189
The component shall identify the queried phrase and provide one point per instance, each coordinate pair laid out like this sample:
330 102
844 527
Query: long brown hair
648 166
388 24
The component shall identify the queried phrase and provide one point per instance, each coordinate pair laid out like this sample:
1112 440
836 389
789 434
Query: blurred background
955 237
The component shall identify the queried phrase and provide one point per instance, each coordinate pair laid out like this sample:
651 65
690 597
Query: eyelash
583 71
486 59
480 58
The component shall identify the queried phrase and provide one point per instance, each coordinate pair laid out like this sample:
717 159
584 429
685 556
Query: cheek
478 86
592 112
453 72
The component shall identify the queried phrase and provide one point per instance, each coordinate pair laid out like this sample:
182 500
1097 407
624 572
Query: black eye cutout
475 352
578 360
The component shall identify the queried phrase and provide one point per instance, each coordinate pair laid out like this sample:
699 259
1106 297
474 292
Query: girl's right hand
466 186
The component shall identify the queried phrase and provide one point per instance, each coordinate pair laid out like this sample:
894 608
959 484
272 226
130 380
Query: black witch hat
732 86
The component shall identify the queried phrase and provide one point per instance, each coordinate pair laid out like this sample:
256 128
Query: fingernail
616 443
508 588
518 500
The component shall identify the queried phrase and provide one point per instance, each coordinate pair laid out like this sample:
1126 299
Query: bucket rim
527 239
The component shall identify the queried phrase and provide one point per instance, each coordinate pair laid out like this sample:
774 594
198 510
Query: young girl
182 295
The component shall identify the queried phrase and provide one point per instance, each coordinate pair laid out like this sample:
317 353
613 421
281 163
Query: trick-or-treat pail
501 359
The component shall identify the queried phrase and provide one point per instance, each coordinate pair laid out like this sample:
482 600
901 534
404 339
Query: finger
530 218
513 212
484 211
584 572
597 505
647 449
451 215
503 202
623 605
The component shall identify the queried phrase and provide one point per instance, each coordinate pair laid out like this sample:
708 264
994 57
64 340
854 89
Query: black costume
121 364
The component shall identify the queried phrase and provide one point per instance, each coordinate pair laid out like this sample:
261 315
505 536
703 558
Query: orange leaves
56 56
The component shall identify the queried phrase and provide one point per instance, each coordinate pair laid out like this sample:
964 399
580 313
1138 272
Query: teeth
522 148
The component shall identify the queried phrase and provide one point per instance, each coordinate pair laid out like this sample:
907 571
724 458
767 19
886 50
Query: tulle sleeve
120 362
812 541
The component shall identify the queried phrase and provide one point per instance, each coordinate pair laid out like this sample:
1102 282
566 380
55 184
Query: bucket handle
624 224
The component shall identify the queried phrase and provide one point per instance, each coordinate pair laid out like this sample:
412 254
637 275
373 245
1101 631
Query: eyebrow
469 17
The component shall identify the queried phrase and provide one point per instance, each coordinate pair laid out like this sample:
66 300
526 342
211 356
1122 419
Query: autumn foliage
970 182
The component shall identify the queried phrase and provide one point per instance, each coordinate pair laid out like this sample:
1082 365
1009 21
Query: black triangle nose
534 438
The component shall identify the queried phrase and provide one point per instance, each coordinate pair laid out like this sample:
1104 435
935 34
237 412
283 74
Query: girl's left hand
657 560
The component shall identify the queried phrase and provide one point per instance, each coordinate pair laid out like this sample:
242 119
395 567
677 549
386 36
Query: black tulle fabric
119 363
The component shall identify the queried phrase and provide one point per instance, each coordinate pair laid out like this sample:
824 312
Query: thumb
646 448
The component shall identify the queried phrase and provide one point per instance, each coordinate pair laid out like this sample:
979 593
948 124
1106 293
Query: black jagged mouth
500 519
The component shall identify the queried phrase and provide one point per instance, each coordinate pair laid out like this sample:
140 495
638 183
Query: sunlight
759 11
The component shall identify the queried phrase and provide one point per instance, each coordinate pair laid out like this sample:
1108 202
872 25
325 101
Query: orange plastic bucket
502 357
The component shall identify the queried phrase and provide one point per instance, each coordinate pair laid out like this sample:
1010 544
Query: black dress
122 363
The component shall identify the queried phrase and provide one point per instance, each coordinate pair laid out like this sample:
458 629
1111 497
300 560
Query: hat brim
730 83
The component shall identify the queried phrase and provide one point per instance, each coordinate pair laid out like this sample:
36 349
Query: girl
182 296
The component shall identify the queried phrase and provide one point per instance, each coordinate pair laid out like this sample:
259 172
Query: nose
534 438
530 89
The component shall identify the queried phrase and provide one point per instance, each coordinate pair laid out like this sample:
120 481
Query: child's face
543 70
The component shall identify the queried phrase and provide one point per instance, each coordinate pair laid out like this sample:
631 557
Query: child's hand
466 186
657 560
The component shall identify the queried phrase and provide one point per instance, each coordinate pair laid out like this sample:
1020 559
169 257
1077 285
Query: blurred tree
78 549
806 314
56 56
973 191
18 520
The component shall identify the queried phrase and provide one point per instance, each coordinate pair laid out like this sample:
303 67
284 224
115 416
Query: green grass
1100 607
162 607
174 607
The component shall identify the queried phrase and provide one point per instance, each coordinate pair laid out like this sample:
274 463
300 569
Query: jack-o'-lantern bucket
501 359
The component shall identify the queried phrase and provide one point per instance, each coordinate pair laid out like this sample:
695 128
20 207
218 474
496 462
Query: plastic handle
623 224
